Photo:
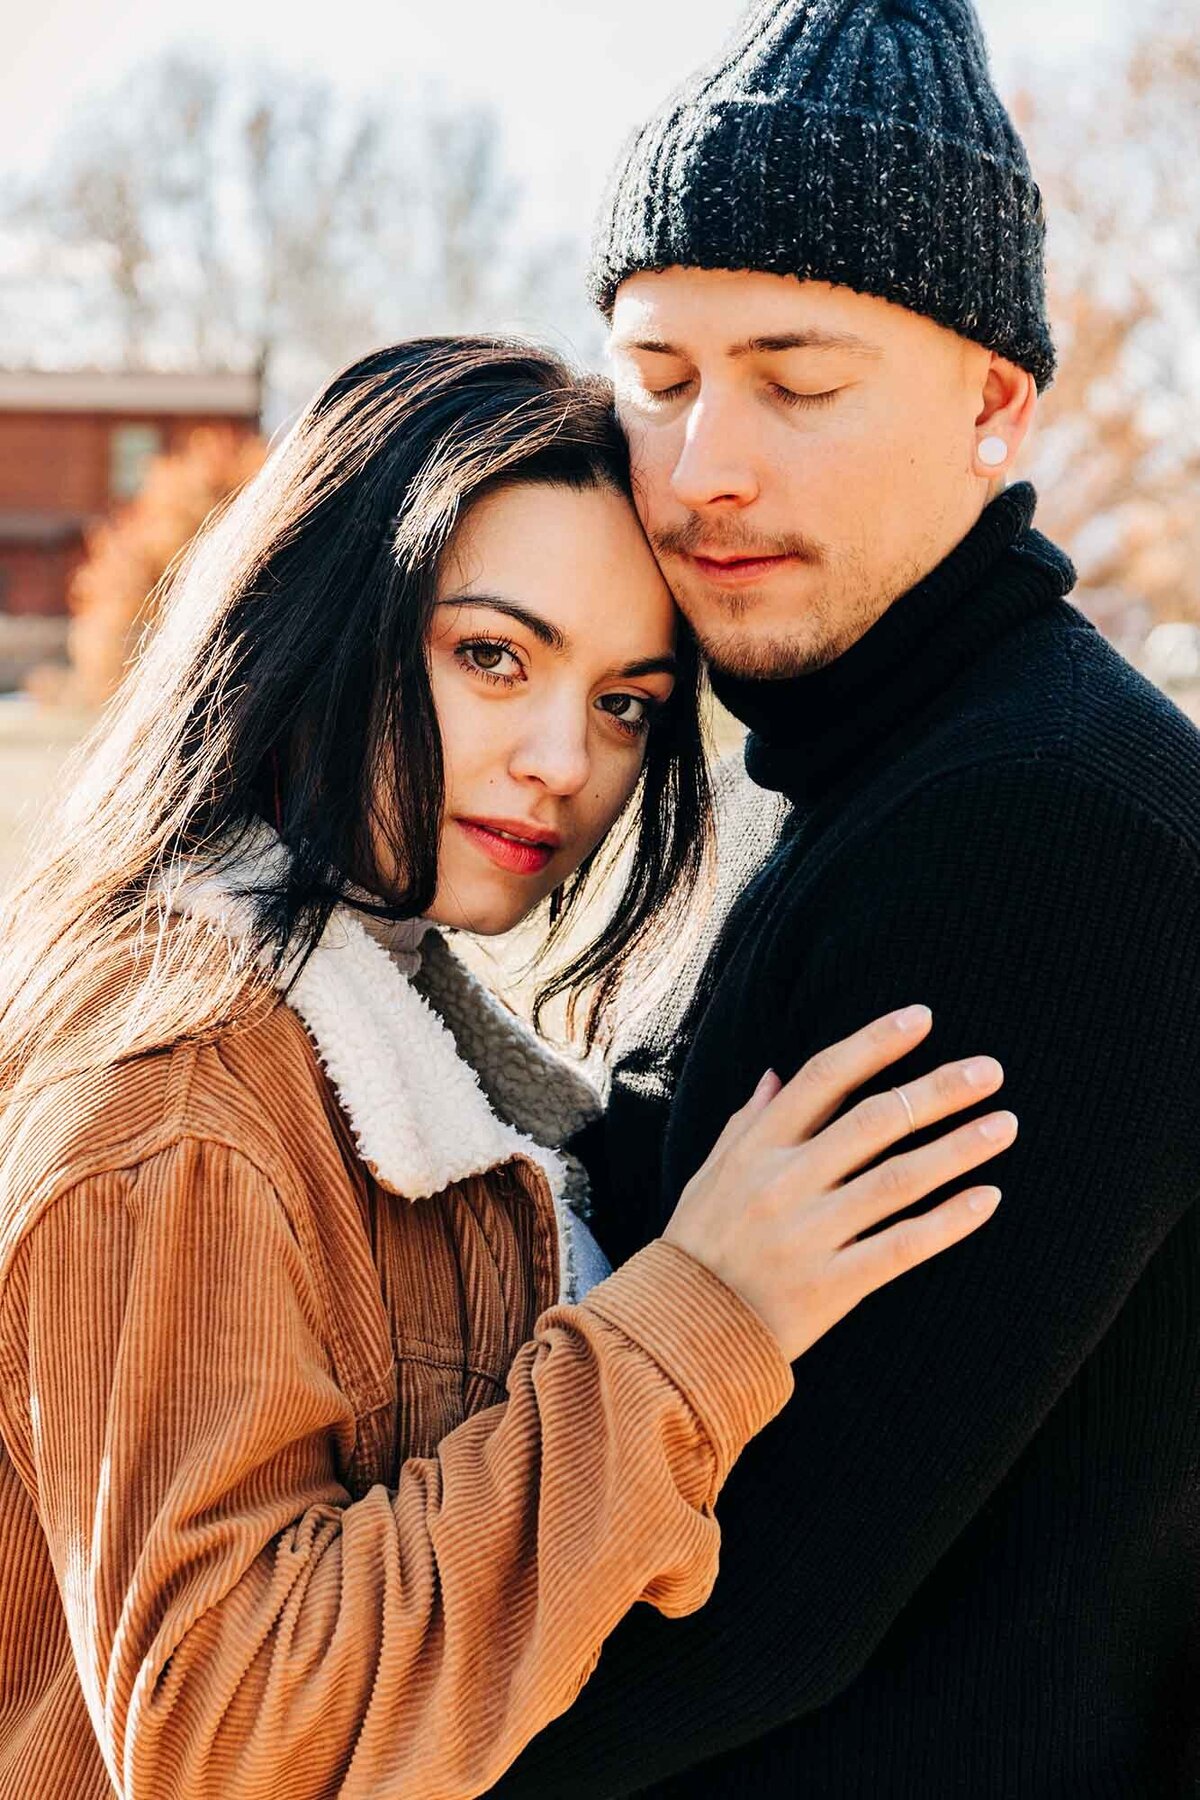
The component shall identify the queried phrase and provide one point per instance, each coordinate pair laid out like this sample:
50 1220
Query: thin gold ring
907 1105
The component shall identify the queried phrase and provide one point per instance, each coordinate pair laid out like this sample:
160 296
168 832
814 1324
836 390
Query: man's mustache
728 539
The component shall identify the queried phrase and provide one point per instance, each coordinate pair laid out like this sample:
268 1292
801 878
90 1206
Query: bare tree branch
203 217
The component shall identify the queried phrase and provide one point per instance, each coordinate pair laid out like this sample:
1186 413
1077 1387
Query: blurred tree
1117 451
112 596
210 218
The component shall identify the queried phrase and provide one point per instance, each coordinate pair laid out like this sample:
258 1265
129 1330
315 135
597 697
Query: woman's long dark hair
287 678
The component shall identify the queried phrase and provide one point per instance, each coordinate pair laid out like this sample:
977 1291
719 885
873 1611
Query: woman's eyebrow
552 637
542 629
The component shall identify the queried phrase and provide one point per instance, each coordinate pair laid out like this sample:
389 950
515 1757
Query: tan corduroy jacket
311 1483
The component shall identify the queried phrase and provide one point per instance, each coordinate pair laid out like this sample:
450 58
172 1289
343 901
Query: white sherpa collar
436 1085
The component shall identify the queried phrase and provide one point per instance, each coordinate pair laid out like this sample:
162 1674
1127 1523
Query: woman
321 1475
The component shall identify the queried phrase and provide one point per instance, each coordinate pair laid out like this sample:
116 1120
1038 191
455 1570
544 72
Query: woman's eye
484 656
618 706
668 393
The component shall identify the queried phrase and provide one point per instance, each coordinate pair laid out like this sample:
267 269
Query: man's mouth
739 568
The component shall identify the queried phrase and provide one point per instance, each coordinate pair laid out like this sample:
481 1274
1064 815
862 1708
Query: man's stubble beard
845 607
728 649
848 595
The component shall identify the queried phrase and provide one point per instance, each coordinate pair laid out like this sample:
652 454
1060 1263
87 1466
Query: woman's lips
740 569
508 852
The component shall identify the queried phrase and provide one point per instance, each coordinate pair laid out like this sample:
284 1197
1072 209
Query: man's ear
1009 402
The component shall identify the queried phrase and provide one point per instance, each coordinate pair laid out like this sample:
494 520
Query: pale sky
568 77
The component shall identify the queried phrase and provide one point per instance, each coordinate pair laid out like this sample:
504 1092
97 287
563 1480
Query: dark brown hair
287 678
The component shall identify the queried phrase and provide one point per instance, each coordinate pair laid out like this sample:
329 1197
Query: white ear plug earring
992 452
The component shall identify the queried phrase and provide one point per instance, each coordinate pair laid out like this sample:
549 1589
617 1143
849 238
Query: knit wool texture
858 142
961 1563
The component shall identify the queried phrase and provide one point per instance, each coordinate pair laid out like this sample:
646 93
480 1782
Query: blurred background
207 207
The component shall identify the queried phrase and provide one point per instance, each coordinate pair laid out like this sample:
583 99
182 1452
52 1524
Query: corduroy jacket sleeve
241 1626
1050 921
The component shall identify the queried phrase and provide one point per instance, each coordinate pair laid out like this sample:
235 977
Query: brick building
73 446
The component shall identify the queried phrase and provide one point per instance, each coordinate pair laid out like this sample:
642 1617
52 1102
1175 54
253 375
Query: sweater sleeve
241 1626
1050 922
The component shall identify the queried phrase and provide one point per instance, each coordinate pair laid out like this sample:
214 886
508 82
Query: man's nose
714 465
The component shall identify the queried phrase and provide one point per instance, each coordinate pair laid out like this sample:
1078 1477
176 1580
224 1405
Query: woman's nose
553 750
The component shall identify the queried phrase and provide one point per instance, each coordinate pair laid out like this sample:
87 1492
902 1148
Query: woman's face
551 646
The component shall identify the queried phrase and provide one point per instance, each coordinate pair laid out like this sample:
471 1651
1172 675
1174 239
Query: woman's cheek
462 722
620 774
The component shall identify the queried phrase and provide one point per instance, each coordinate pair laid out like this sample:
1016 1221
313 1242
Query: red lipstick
519 848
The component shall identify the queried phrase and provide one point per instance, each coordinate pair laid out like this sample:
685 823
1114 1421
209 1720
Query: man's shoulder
1051 748
1057 708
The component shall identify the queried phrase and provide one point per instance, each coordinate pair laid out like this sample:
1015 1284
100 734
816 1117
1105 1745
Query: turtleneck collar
808 732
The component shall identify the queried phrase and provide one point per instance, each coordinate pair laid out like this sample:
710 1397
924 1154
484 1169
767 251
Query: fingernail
764 1081
911 1017
981 1071
1000 1125
984 1200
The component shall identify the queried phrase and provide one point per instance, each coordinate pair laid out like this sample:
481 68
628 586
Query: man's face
803 455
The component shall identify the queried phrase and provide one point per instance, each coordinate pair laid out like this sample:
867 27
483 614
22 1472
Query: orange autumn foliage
113 594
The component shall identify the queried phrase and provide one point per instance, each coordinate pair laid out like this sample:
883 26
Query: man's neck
809 731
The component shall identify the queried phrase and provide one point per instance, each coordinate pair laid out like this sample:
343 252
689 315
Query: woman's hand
780 1206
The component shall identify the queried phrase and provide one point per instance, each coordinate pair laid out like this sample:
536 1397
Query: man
964 1562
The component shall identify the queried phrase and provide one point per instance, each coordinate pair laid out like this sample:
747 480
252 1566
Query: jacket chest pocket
435 1397
455 1271
372 1459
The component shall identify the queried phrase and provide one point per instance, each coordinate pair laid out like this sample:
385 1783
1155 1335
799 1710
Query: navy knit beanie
858 142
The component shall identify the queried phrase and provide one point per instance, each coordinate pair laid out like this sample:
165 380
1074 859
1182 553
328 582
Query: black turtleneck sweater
964 1562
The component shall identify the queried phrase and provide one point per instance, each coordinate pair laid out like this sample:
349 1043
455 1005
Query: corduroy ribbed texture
964 1562
307 1489
859 142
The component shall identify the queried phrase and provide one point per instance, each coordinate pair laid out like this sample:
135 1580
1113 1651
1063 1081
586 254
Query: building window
130 449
